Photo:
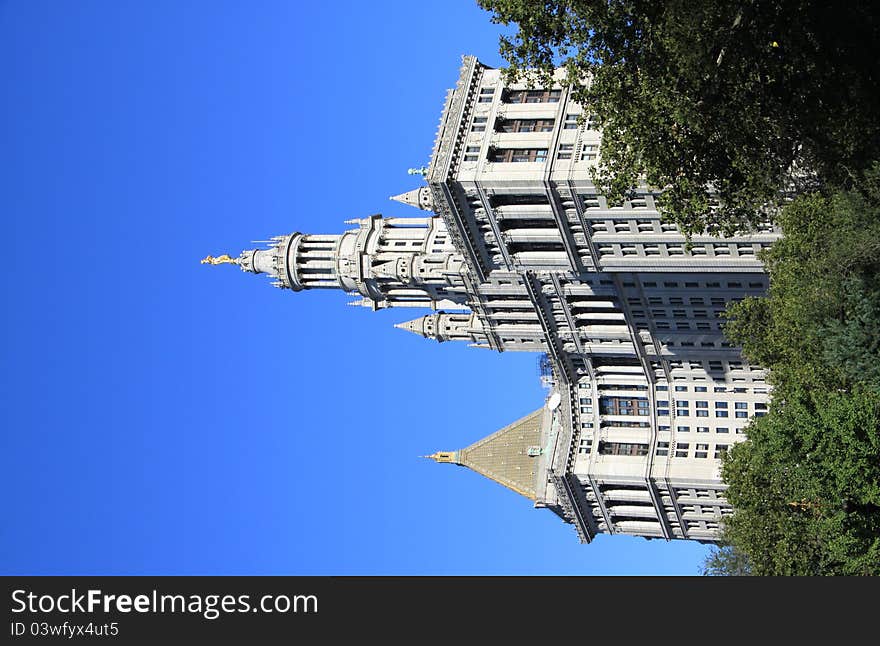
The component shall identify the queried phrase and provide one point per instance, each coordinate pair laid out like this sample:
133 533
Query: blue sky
165 417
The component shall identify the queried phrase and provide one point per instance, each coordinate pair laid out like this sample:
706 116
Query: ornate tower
390 262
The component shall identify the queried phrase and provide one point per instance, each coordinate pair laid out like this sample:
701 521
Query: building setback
518 252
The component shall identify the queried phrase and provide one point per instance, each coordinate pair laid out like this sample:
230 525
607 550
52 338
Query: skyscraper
518 252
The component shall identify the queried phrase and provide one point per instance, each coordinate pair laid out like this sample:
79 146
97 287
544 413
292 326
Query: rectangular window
721 413
524 125
702 413
533 96
683 429
589 153
702 451
479 124
741 414
741 405
486 95
565 151
511 155
702 429
702 404
571 122
622 448
720 449
722 429
662 448
681 451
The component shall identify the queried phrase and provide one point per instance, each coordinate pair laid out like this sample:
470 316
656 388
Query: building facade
517 251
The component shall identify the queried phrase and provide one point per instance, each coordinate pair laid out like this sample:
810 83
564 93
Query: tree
820 322
726 107
806 484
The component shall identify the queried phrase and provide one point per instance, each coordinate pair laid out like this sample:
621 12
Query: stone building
517 251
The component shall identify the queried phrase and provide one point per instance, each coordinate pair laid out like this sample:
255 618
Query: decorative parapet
458 102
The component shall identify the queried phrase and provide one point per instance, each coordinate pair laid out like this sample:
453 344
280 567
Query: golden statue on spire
219 260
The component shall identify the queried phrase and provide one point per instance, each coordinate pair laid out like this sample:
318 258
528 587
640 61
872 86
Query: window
662 388
479 124
702 404
524 125
472 153
699 389
681 389
681 451
571 122
683 429
702 451
720 404
662 448
589 153
702 429
585 446
486 95
741 405
760 405
510 155
564 151
623 406
722 429
741 414
720 449
622 448
533 96
721 413
702 413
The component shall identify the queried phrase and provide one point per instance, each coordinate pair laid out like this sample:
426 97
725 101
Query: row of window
637 449
740 249
717 389
520 96
701 450
586 385
514 155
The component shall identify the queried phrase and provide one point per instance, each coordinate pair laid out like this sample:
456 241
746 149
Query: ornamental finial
219 260
450 457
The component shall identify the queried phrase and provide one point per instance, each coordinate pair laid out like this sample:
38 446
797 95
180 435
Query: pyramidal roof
504 455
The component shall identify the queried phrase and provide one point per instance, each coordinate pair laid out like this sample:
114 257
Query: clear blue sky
164 417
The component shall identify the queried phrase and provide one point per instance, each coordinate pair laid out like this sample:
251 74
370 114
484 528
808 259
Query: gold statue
219 260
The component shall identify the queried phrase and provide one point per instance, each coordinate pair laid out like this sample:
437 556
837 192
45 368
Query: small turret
418 197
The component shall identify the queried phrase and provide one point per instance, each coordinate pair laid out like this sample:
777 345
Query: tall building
518 252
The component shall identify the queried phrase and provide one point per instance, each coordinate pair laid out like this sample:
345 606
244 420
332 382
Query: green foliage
806 484
726 107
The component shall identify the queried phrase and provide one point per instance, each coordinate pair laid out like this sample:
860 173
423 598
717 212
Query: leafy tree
726 107
727 560
806 484
820 323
